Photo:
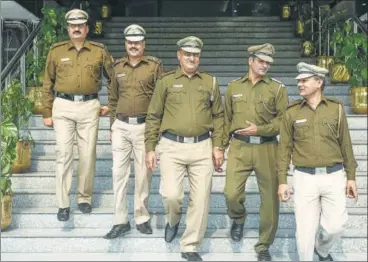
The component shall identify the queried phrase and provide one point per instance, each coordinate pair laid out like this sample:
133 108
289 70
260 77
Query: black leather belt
320 170
73 97
256 140
183 139
131 120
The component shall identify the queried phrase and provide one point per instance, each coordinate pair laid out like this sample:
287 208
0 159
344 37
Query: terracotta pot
23 158
306 48
6 211
358 100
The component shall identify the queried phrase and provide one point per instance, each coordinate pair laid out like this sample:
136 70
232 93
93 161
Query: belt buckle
189 139
78 98
254 139
321 170
133 120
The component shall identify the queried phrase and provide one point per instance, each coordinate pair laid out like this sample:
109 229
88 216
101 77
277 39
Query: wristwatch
220 148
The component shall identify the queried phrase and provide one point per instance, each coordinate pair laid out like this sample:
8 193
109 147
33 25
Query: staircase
36 234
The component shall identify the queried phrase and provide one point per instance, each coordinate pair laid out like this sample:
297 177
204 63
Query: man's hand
48 122
351 190
251 130
284 192
218 157
151 160
104 110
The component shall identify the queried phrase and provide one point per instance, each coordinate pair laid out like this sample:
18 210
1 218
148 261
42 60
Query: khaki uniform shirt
72 72
262 104
186 107
315 138
133 86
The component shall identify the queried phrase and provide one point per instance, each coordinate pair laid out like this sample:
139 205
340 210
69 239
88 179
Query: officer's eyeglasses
188 54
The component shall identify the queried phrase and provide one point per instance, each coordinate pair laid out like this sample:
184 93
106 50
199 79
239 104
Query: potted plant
351 48
9 139
17 108
53 30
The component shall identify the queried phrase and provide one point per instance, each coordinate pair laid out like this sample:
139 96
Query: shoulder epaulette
335 100
207 73
120 60
154 59
97 44
278 81
59 44
294 103
166 74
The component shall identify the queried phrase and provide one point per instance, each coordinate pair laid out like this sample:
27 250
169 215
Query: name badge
300 121
177 86
65 59
120 75
237 95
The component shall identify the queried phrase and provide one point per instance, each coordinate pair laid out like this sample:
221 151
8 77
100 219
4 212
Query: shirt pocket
93 68
176 95
239 104
65 68
204 97
329 128
266 106
301 130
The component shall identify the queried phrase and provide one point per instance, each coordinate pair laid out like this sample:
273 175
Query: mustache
133 49
77 32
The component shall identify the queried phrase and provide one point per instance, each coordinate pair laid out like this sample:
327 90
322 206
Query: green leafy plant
351 49
53 30
16 107
9 138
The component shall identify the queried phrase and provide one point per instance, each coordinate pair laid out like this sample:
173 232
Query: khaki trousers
318 200
175 160
80 120
127 139
242 160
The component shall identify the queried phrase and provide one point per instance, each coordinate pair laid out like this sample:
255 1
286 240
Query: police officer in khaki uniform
315 132
254 107
133 86
187 113
72 80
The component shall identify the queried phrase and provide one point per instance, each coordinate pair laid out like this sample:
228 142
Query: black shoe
117 230
321 258
63 214
85 207
264 255
170 232
145 228
191 256
236 231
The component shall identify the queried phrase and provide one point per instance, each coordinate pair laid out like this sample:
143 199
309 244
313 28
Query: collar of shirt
179 73
126 61
264 78
323 100
86 45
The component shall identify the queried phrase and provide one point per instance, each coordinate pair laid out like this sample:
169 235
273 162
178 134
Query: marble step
104 218
105 198
184 20
64 240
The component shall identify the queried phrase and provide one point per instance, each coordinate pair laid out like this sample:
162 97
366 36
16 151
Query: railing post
319 31
312 20
23 72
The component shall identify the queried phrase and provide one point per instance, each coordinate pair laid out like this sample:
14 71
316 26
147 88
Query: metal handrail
359 24
21 51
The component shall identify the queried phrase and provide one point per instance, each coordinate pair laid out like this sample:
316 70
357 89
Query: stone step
119 28
104 218
227 61
119 46
205 36
46 163
25 198
103 147
354 122
194 20
104 134
23 240
244 42
155 256
43 180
